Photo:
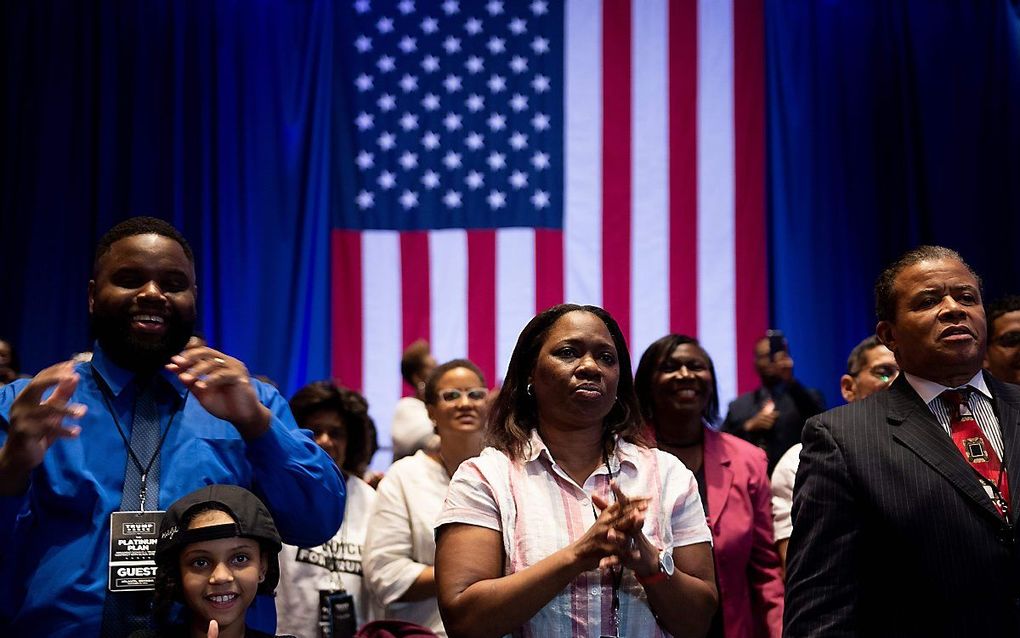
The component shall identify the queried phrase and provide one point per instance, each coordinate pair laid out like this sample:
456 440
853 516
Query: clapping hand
223 386
37 424
640 554
616 537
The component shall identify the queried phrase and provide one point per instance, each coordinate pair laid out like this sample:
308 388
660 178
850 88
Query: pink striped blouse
539 509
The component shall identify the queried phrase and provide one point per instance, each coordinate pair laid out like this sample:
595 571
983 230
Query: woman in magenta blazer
675 384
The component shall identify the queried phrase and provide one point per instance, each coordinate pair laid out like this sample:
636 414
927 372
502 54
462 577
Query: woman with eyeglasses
676 388
569 525
400 548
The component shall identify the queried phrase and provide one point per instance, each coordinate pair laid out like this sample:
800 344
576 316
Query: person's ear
92 294
848 387
886 333
264 567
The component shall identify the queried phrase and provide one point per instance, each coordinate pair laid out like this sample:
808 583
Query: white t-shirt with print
304 572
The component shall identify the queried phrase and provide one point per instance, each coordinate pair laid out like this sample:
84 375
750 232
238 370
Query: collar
623 452
929 390
117 378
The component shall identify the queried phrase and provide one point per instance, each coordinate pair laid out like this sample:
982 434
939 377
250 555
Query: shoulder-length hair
349 405
515 412
649 364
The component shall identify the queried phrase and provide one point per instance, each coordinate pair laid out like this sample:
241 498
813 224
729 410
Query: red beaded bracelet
654 579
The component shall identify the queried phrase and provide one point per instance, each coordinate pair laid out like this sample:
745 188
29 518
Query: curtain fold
890 124
216 116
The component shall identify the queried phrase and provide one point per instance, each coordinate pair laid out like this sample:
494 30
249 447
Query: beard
128 351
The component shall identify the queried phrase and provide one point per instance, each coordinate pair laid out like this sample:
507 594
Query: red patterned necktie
976 449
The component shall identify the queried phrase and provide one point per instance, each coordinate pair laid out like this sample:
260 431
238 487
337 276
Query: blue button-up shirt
55 538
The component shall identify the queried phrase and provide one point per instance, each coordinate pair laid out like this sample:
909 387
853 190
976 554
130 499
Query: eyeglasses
453 395
885 374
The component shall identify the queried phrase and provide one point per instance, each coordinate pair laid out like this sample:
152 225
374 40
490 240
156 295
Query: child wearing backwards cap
216 550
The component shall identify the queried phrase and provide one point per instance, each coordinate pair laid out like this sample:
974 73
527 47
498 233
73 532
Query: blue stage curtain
216 116
890 124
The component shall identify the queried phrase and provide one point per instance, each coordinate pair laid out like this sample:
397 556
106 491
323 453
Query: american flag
500 157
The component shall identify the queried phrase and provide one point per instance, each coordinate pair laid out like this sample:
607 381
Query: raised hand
214 630
35 425
764 419
223 386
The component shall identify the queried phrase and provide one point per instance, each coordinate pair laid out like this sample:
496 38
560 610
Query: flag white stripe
582 218
650 175
716 259
515 291
381 303
516 274
448 305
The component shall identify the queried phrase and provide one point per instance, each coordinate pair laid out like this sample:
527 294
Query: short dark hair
139 226
431 396
350 406
885 293
859 355
650 361
413 360
999 307
515 412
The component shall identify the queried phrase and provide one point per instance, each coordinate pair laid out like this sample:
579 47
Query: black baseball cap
251 520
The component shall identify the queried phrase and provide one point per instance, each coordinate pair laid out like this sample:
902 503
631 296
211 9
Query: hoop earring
530 389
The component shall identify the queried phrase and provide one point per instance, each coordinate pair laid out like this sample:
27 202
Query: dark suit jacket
893 534
794 405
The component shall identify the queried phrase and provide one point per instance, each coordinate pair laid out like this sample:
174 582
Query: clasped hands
616 538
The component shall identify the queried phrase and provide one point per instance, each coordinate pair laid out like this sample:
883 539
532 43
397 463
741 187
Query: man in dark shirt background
772 416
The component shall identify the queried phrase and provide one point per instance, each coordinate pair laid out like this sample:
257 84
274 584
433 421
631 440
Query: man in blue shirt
65 459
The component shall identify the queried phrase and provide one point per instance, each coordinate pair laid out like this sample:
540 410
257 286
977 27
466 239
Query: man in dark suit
772 416
903 518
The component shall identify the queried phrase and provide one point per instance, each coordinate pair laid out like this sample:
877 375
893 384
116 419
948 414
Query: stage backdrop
357 175
891 124
501 157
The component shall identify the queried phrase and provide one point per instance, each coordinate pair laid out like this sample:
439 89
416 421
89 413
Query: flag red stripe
548 268
414 289
616 159
683 166
749 190
481 249
346 308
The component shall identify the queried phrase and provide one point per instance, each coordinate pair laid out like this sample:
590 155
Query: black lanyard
143 471
617 573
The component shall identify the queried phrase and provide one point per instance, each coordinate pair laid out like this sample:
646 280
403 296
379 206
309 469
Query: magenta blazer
740 517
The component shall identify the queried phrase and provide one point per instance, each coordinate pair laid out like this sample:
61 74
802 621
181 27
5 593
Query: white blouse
400 542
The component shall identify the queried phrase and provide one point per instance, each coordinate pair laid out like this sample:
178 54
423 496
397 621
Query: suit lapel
916 427
1009 425
718 475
